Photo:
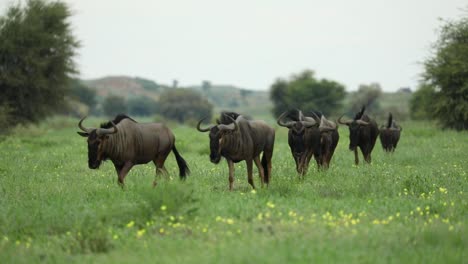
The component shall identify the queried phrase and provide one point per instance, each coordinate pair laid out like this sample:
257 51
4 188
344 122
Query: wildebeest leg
368 158
325 160
366 152
249 172
305 160
261 172
231 173
267 155
160 169
356 157
124 171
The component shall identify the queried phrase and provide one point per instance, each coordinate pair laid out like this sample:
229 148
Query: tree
36 59
422 103
446 71
141 106
307 93
114 105
184 105
83 93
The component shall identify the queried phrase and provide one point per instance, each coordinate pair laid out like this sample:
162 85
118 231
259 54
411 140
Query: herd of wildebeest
236 138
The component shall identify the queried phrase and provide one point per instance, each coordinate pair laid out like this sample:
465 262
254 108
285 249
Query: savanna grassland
407 207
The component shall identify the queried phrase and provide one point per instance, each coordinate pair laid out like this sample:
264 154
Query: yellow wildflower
260 216
140 232
130 224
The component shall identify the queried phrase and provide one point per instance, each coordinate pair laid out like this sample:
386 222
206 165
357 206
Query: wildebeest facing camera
241 139
363 132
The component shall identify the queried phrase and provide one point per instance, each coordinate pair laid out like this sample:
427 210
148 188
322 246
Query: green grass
407 207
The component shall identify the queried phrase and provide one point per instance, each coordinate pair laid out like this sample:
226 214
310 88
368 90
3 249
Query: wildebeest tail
389 124
183 168
265 169
360 113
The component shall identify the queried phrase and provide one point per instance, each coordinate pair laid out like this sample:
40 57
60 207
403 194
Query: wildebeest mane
116 120
225 117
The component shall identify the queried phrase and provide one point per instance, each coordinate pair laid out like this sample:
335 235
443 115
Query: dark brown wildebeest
363 132
329 138
309 136
390 134
237 138
127 143
303 138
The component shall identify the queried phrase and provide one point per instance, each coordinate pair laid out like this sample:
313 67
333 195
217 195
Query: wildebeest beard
93 145
298 141
353 136
215 155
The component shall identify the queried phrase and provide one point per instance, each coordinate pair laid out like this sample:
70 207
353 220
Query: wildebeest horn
107 131
232 127
362 122
315 117
87 130
326 125
283 124
346 122
308 124
203 129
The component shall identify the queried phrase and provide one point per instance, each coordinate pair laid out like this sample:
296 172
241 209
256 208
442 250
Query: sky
251 43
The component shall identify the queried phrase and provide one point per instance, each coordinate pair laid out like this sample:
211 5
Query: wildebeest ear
83 134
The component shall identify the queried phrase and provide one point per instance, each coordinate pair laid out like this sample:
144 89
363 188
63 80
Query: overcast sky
250 43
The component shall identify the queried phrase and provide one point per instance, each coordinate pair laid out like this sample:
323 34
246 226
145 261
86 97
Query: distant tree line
176 104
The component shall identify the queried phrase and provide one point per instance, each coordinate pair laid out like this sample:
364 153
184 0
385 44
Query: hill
125 86
223 97
230 97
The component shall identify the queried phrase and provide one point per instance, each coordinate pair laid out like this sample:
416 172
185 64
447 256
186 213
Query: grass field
409 207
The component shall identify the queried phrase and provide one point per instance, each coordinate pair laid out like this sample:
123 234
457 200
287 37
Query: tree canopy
36 60
305 92
444 92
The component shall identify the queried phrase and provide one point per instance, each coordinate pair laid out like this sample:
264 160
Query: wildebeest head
96 140
326 126
296 136
355 126
217 137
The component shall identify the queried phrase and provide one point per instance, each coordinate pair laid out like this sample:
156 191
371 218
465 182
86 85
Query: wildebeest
390 134
237 138
127 143
363 132
309 136
329 138
303 138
